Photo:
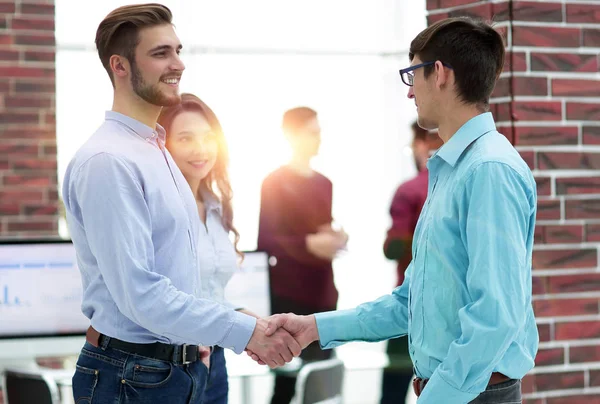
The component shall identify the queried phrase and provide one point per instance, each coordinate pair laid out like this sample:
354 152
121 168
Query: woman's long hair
218 175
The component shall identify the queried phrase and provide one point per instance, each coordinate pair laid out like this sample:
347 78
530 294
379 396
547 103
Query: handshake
276 340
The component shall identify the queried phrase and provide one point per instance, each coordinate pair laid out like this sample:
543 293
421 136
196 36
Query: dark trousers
397 377
285 385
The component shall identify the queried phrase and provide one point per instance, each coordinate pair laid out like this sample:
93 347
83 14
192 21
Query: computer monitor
40 300
249 287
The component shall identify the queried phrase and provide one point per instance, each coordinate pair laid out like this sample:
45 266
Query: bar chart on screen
40 290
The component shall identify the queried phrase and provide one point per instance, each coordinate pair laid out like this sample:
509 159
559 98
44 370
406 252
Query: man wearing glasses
466 300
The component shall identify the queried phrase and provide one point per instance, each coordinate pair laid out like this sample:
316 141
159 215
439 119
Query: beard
150 93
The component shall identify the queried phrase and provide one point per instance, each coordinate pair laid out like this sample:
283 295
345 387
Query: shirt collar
467 134
143 131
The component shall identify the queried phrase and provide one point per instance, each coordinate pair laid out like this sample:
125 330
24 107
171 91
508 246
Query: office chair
320 382
30 386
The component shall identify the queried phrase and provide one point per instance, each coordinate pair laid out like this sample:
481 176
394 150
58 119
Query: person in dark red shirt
405 210
295 227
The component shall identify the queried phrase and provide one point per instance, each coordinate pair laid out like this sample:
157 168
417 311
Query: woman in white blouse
198 147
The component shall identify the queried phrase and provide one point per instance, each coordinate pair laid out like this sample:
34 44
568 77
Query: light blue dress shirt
134 223
466 300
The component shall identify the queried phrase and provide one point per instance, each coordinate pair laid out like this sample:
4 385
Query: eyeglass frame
415 67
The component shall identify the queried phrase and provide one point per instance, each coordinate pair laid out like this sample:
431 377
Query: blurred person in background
296 228
405 210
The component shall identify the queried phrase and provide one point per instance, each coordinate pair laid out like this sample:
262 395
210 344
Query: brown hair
296 118
218 175
473 49
117 34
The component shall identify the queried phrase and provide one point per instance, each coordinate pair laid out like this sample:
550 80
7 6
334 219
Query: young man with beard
465 302
134 223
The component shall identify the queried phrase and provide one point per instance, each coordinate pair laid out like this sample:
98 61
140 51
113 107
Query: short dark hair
474 50
117 34
296 118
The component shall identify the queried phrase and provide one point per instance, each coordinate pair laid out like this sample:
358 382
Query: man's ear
441 74
119 66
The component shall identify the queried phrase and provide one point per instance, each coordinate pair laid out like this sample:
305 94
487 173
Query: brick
533 400
18 149
8 196
568 161
49 118
7 7
577 185
28 132
565 307
544 332
583 111
577 330
502 112
537 111
542 135
433 18
530 86
529 158
515 61
35 164
454 3
27 102
33 24
548 210
540 285
503 31
546 37
41 9
592 232
26 71
432 4
559 381
563 234
500 12
9 55
49 150
579 354
594 378
39 56
565 258
591 37
29 180
483 11
33 224
575 399
543 185
582 209
31 85
528 384
552 356
19 117
9 209
591 135
35 39
502 88
563 62
586 13
7 39
574 283
538 12
575 88
39 209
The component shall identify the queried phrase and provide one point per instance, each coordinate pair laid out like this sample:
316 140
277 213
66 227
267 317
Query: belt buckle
184 360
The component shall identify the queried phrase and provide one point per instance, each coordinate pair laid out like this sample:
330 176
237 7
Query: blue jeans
217 388
109 376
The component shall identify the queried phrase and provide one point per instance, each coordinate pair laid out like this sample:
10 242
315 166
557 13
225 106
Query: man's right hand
275 349
325 245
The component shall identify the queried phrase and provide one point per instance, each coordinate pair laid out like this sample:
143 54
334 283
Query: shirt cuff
335 327
240 332
438 391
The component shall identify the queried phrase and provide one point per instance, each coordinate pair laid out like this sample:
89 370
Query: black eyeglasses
408 77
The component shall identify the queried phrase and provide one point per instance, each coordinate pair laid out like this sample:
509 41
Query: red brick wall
29 202
548 103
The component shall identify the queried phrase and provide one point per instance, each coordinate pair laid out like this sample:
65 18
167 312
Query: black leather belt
177 354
